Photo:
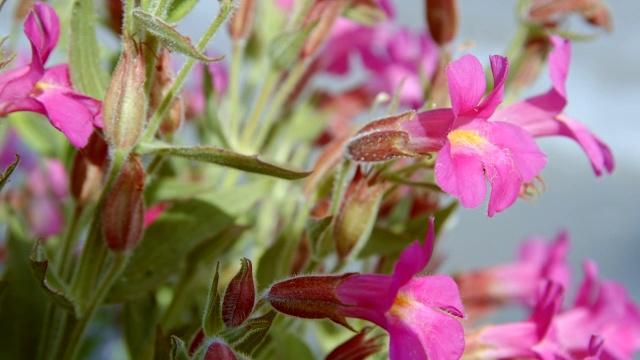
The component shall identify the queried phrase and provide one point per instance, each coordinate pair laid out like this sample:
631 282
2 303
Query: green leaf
138 319
292 347
169 36
49 280
4 177
179 9
87 74
23 304
272 265
222 157
321 243
38 134
165 245
384 242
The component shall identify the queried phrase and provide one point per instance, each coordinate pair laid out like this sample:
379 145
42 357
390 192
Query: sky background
602 215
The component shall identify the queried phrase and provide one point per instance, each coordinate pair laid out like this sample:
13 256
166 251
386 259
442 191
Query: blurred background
602 215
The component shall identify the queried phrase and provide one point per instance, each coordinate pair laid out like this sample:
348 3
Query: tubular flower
48 91
518 281
418 313
542 115
472 147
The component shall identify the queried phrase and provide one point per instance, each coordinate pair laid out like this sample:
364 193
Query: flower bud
357 214
88 169
115 15
218 350
381 140
123 213
356 348
124 104
442 19
162 82
239 298
241 22
325 13
309 297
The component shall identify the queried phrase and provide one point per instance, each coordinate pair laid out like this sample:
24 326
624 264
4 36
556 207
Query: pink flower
542 115
535 338
48 91
603 309
471 148
419 313
538 260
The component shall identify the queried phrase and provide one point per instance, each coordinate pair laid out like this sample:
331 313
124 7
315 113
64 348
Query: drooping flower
419 313
48 91
542 115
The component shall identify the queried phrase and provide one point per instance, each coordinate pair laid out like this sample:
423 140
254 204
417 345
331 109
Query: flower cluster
165 174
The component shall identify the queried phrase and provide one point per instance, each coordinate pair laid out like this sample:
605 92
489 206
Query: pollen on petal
466 138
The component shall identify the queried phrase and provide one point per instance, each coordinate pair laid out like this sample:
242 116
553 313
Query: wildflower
48 91
542 115
538 261
418 313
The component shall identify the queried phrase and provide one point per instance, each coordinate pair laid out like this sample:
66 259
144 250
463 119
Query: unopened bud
595 12
124 104
325 13
381 140
357 214
442 19
162 82
123 213
219 350
309 297
88 169
240 296
116 15
529 62
241 22
356 348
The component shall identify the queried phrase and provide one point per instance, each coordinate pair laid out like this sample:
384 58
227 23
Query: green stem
225 10
64 263
129 5
73 344
278 102
234 90
258 108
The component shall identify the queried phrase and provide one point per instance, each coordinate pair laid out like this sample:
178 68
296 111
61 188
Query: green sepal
212 319
249 336
49 280
178 349
165 245
87 75
179 9
4 177
169 36
223 157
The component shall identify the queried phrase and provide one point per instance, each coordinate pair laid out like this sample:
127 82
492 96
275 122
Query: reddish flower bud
218 350
124 106
116 15
357 214
595 12
442 19
529 62
88 169
325 13
240 296
242 20
123 213
196 341
162 82
357 347
381 140
309 297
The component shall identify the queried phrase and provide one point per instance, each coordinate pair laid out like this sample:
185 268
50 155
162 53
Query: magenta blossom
542 115
601 308
419 313
471 148
538 260
48 91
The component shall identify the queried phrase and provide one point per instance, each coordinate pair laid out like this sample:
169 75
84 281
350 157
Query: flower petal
459 172
428 130
43 36
500 70
438 291
466 84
